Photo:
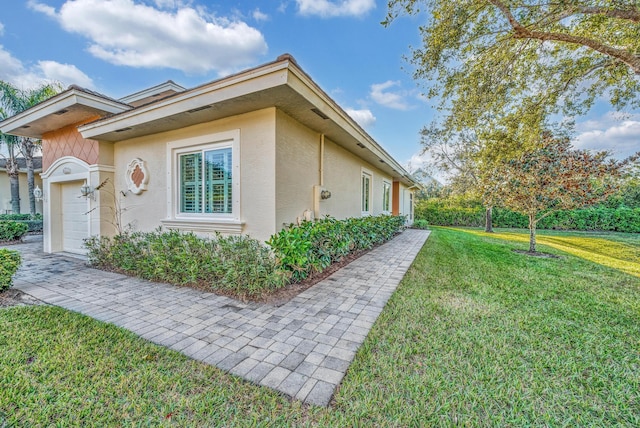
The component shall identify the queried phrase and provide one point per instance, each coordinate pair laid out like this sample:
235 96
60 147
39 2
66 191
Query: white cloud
363 117
42 8
260 16
12 70
612 132
326 8
67 73
124 32
392 99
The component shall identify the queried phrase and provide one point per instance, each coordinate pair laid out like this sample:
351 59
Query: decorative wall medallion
137 176
66 170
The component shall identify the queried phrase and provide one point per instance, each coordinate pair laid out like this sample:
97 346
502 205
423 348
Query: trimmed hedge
9 263
237 265
20 217
621 219
34 223
12 230
314 246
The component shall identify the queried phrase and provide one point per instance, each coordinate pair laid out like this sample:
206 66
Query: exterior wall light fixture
87 191
37 193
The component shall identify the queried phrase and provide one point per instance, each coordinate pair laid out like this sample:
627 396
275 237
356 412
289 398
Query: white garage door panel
75 221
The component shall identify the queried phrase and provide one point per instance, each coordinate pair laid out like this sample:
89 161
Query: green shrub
20 217
9 264
420 224
313 246
238 265
442 213
12 230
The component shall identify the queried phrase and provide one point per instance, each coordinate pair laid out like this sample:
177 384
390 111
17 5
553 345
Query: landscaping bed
239 266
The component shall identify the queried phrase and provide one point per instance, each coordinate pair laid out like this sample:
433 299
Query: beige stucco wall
5 192
147 210
297 168
298 171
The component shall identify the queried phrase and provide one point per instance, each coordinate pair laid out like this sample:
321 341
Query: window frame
202 144
386 196
365 173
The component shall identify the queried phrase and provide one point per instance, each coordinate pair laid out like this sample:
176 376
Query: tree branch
521 32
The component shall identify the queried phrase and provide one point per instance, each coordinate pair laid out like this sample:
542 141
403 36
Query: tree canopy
486 57
553 177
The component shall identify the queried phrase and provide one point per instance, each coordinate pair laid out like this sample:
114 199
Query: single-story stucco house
5 186
245 154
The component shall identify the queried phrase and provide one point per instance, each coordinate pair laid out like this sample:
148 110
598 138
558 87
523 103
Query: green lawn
475 335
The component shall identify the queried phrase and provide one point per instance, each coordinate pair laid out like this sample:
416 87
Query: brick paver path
301 348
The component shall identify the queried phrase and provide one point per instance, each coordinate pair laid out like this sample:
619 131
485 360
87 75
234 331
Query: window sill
205 226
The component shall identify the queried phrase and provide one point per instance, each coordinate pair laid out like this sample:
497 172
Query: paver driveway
301 348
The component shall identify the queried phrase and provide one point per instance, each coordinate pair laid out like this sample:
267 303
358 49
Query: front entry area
74 219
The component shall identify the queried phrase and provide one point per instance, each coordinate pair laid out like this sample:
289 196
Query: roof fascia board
170 85
271 75
57 103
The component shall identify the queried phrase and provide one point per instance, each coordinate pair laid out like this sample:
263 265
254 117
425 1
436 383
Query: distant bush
9 264
12 230
314 246
420 224
20 217
237 265
620 219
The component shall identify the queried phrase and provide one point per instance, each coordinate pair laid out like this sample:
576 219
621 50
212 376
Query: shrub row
619 219
238 265
12 230
20 217
313 246
9 264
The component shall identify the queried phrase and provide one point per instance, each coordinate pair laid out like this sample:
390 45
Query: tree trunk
532 233
488 220
12 172
28 147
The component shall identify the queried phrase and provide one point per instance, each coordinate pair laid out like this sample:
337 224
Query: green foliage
12 230
313 246
483 57
600 218
420 224
33 223
9 264
237 265
16 217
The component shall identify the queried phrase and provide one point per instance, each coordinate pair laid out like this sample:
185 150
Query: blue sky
118 47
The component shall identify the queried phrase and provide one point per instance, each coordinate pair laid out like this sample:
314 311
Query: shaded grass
475 335
65 369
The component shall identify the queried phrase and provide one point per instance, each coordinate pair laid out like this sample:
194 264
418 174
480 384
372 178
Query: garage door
75 220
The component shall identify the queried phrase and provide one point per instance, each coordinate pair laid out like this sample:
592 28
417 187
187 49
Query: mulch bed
13 297
283 295
537 254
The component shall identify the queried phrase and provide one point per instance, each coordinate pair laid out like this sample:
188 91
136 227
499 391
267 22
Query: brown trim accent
395 198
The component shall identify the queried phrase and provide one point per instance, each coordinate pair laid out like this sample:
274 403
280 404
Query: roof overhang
281 84
67 108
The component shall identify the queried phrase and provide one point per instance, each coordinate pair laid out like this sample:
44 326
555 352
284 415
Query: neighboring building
247 154
5 188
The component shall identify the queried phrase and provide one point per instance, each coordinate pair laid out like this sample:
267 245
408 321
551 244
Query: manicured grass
475 335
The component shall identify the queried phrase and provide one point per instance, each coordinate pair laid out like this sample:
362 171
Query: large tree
13 101
486 57
554 176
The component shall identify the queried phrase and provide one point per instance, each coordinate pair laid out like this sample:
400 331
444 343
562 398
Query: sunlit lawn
476 335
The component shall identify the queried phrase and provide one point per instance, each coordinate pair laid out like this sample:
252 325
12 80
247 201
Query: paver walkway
301 348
